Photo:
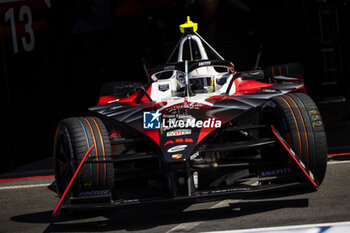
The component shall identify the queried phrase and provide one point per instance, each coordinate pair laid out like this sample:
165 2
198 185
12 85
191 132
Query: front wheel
74 136
298 119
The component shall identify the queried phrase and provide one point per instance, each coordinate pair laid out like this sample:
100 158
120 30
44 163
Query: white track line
184 227
338 162
304 228
24 186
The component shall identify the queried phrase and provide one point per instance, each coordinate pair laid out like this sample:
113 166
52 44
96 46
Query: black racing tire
298 119
74 136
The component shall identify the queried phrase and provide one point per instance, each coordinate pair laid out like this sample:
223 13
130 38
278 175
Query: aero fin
296 158
71 181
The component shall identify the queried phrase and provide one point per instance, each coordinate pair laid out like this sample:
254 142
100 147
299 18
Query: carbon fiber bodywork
223 108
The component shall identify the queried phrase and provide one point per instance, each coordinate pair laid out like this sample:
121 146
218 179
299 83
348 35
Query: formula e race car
199 129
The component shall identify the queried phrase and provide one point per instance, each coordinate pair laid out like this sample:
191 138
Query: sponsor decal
177 148
268 90
163 87
228 190
195 155
179 140
204 63
94 192
176 156
187 105
276 172
190 122
129 201
179 132
151 120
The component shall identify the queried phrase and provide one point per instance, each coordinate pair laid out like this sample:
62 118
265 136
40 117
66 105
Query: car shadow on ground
136 219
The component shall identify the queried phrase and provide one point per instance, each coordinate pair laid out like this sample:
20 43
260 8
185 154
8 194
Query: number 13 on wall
25 17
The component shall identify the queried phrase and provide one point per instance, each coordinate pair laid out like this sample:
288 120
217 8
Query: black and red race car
199 129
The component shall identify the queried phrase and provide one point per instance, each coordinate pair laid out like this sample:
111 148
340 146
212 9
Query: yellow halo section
189 26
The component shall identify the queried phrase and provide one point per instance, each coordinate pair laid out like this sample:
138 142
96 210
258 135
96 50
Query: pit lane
26 206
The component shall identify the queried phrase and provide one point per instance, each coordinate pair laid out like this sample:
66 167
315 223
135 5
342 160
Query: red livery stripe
25 178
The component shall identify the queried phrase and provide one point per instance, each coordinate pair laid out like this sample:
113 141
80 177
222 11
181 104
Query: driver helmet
202 79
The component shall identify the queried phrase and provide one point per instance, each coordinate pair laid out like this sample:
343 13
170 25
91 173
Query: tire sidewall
62 133
77 138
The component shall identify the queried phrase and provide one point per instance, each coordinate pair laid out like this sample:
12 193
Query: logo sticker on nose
177 148
151 120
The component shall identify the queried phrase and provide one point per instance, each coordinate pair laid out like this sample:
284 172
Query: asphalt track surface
27 205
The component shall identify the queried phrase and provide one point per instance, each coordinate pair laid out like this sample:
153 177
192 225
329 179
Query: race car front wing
104 198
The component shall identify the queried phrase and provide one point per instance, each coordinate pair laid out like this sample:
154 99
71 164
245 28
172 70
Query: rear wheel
298 119
74 136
